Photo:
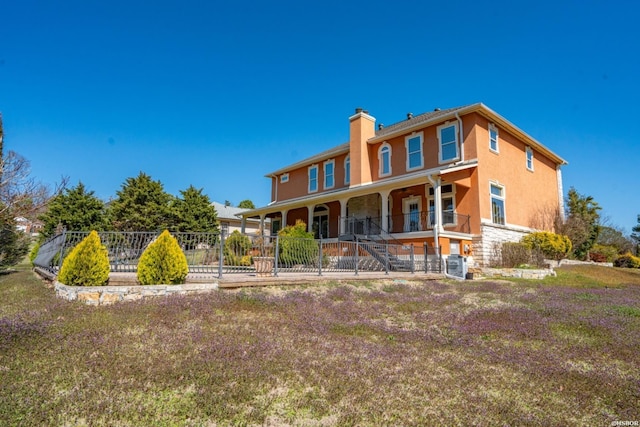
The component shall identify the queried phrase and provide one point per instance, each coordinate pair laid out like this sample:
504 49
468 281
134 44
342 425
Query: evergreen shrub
297 245
627 261
163 262
236 249
87 264
34 252
554 246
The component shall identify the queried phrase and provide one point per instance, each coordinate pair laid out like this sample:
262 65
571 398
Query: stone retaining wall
521 273
103 295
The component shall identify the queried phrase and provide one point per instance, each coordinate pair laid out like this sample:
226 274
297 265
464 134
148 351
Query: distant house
459 180
230 219
28 226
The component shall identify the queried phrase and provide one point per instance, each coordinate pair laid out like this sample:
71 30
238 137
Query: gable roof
421 120
228 212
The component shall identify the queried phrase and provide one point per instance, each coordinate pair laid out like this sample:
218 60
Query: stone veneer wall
491 234
522 273
103 295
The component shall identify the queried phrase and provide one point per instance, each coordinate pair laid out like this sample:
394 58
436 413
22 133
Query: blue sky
217 94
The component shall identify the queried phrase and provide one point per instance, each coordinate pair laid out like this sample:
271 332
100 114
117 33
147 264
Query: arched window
384 159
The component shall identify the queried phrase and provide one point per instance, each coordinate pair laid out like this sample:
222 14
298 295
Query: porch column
310 209
437 198
384 221
243 224
283 214
343 215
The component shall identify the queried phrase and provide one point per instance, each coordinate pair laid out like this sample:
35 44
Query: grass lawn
563 351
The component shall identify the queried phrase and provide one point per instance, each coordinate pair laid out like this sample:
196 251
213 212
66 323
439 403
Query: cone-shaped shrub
163 262
87 264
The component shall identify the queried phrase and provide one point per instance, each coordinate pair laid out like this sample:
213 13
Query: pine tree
636 236
76 209
194 212
141 205
583 222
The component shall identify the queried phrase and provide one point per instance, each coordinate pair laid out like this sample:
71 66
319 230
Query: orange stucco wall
526 192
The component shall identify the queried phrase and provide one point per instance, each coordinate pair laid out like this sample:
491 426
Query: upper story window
347 170
448 139
284 178
313 178
493 138
529 153
497 204
329 169
384 159
414 151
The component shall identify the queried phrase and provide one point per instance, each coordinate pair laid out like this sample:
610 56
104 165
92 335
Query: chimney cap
359 110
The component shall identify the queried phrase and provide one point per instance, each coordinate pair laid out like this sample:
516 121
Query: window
384 158
493 138
447 196
448 138
313 178
347 170
414 151
284 178
529 152
497 204
329 167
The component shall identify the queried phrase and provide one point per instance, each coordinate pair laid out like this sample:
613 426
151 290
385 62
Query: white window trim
529 152
284 178
331 162
309 190
452 194
503 197
347 170
380 168
457 142
493 127
406 144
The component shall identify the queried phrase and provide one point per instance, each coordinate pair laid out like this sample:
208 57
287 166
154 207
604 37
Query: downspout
461 130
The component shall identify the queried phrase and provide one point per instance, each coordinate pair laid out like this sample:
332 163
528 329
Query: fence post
426 256
320 260
357 251
412 258
64 243
277 256
386 258
221 255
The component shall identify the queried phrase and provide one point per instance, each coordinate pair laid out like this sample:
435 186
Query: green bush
236 249
603 253
34 252
297 245
554 246
87 264
627 261
163 262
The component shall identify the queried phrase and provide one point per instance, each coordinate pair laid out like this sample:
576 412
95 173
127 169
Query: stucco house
458 179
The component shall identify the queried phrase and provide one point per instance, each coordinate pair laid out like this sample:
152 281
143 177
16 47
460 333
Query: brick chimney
361 129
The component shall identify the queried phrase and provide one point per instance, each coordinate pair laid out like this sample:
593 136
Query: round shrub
297 245
603 253
87 264
552 245
163 262
627 261
236 249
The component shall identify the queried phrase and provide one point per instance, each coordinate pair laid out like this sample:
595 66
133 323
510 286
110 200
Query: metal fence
214 255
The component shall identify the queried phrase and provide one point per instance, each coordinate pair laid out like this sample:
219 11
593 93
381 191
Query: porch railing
405 223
